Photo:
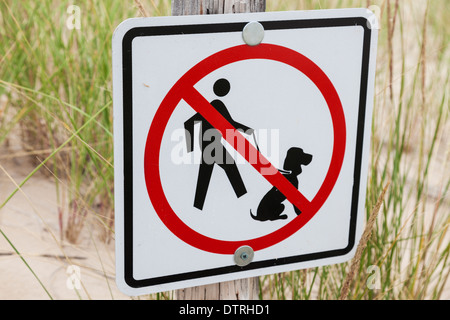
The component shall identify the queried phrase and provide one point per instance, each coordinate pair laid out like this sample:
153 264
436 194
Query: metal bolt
243 256
253 33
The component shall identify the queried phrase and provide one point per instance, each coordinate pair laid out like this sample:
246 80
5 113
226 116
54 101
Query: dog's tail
253 216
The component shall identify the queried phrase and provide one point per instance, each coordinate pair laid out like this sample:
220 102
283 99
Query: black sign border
128 139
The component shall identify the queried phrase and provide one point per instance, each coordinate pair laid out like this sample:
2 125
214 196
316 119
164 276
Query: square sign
241 144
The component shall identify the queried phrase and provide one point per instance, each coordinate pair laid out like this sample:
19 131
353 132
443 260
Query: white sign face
236 160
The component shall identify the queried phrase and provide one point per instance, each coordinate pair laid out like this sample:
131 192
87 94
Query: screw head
253 33
243 256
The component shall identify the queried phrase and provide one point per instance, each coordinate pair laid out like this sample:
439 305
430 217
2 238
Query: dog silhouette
271 207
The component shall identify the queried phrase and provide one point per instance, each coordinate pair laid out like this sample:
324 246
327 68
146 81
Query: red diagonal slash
184 89
261 164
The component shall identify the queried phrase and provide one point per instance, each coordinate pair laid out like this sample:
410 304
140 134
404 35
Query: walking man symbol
210 143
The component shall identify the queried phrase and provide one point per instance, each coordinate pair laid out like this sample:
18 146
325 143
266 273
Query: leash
256 142
257 148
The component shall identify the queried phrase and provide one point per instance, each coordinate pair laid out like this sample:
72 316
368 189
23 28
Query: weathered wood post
186 7
244 289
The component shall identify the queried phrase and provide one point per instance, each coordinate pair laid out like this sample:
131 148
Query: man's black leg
233 174
204 176
236 180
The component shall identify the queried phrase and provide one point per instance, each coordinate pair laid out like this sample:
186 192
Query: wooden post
187 7
244 289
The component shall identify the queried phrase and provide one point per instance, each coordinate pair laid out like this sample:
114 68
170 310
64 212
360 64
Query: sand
30 221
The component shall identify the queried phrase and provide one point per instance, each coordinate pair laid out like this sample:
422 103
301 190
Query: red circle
172 99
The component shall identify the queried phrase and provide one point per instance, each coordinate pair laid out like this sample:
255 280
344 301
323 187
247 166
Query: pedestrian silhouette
221 88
